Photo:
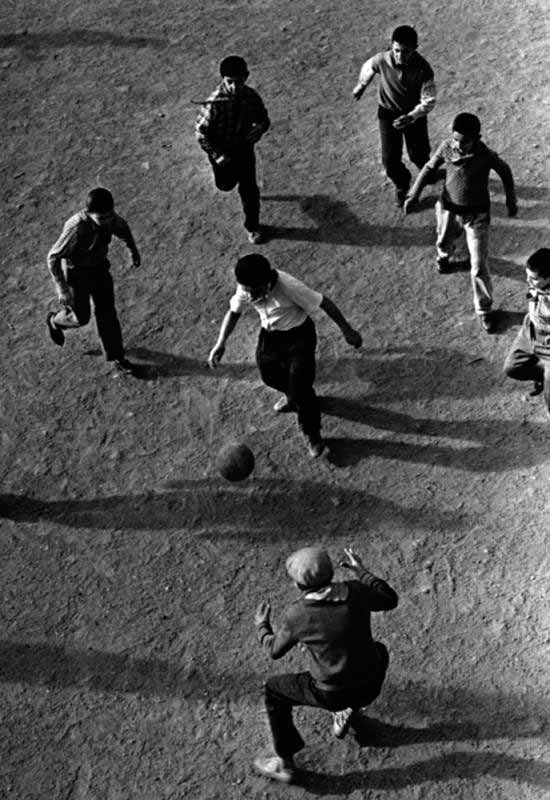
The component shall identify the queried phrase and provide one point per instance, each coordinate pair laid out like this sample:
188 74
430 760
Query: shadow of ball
235 461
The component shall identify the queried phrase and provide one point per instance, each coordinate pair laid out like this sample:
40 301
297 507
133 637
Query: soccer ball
235 461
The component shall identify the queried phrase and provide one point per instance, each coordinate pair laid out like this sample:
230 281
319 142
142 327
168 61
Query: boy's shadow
334 223
150 365
481 445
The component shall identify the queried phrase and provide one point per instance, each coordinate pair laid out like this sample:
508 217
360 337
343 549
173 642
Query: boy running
230 123
465 204
81 272
406 95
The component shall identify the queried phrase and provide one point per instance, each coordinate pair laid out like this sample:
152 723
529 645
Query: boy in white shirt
286 346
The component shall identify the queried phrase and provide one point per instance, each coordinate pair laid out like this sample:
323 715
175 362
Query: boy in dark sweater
332 622
529 356
465 204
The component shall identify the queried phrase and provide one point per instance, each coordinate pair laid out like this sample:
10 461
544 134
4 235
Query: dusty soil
129 570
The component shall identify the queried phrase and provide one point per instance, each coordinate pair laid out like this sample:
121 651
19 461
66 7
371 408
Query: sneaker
315 446
124 366
284 405
341 720
276 768
56 334
488 322
443 265
256 237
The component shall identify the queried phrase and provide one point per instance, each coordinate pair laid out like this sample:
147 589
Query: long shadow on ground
237 511
481 445
59 667
403 373
496 717
441 768
334 223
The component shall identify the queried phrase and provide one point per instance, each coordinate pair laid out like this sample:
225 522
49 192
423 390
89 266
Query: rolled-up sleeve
239 301
428 96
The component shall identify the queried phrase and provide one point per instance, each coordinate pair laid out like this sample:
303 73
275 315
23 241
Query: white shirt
285 306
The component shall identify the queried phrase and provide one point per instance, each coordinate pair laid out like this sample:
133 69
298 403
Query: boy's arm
423 178
381 596
62 249
278 643
261 121
227 327
351 336
122 231
203 130
428 97
366 76
505 174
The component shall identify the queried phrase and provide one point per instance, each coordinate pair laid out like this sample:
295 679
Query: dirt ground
129 569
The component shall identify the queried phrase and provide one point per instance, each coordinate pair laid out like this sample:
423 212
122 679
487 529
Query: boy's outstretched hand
263 613
354 561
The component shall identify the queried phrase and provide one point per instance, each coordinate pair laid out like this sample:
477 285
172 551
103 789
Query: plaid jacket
225 120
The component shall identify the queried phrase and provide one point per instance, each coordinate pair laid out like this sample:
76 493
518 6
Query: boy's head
537 268
404 41
100 205
466 132
310 568
234 72
255 275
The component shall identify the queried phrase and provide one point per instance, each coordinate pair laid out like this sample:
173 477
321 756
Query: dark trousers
96 285
286 360
240 171
522 362
283 692
391 140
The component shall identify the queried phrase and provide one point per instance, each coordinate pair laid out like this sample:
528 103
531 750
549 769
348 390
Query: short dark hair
539 262
467 124
406 35
233 67
100 201
253 270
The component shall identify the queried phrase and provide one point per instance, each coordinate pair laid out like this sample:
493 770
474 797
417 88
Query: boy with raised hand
331 621
285 353
465 203
529 356
80 270
230 123
406 95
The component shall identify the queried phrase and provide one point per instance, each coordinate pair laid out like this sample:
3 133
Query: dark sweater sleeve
381 597
505 174
278 643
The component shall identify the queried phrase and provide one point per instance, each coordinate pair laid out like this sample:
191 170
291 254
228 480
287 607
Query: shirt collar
333 593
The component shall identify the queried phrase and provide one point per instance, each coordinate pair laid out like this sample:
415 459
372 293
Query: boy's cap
467 125
310 567
233 66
